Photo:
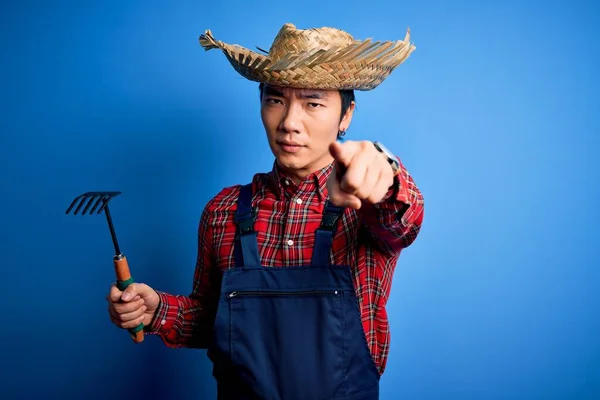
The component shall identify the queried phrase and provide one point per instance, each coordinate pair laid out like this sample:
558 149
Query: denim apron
289 333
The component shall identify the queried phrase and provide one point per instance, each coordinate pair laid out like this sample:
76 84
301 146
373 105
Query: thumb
130 292
342 152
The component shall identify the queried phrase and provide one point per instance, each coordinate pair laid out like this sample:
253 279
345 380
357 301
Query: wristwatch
391 158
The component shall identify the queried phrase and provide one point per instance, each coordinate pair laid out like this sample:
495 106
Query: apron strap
324 234
246 245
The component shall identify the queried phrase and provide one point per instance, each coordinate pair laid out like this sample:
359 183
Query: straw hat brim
361 65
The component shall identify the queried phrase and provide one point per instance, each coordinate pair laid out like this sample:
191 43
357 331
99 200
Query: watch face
391 157
384 150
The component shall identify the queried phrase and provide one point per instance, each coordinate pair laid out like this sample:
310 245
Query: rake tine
77 201
73 204
83 198
96 205
105 201
89 203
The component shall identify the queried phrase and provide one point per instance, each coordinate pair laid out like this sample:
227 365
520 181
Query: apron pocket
289 344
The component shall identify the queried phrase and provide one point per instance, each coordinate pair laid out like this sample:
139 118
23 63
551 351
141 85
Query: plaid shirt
369 240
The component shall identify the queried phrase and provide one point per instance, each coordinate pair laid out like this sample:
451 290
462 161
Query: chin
289 162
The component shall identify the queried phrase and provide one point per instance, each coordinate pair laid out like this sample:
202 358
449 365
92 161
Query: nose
291 120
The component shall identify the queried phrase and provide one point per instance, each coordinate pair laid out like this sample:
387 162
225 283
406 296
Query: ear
347 119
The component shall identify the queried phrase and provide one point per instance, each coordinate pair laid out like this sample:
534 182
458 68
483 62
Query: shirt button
286 182
299 201
164 321
290 242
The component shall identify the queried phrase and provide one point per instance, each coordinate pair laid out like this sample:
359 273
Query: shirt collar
282 184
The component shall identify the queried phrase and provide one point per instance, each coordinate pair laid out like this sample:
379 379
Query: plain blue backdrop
495 115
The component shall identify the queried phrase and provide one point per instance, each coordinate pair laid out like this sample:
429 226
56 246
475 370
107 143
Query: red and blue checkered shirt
369 240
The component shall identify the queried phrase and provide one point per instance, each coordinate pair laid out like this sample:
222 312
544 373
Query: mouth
289 146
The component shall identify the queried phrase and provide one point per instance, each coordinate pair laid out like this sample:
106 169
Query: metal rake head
94 202
90 201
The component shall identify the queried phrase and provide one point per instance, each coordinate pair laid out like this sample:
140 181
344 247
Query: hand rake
96 203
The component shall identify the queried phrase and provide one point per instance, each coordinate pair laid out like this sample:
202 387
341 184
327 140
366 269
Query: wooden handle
138 337
124 279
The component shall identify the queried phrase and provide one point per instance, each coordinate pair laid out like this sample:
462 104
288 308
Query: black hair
347 96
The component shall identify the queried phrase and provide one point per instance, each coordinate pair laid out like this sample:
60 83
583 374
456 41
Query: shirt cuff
397 199
165 316
396 192
393 190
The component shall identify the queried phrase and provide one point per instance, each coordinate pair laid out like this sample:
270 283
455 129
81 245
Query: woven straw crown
316 58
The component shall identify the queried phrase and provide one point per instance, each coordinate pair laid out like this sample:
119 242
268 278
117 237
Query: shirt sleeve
395 222
186 321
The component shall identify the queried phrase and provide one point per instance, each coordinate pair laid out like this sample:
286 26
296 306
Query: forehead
298 93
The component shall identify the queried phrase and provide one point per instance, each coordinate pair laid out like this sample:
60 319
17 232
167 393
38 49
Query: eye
314 105
272 101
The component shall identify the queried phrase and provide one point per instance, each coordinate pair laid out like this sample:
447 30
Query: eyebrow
311 95
304 94
273 92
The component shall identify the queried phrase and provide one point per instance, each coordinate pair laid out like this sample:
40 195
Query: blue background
495 115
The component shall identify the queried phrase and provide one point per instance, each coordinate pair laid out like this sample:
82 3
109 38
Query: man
294 270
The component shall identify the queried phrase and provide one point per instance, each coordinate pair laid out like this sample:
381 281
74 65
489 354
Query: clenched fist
136 304
361 173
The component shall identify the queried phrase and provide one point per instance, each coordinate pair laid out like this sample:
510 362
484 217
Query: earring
341 133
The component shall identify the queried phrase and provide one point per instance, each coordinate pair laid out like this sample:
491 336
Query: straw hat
316 58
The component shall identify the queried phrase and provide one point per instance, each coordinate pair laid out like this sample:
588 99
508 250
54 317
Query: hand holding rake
129 308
